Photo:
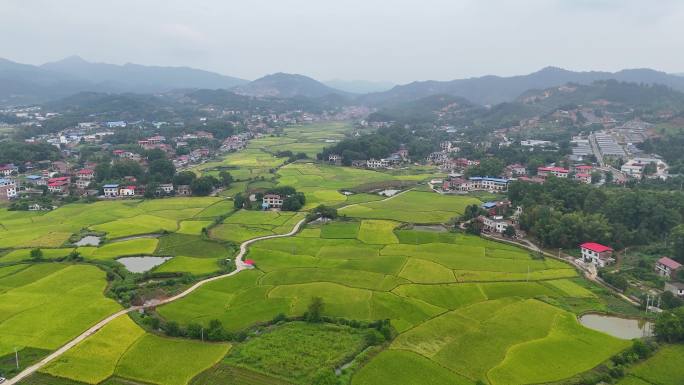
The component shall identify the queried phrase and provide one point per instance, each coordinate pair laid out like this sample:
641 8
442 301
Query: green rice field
462 309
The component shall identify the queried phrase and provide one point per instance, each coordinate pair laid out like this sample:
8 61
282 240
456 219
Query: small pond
433 228
141 264
625 328
388 192
88 240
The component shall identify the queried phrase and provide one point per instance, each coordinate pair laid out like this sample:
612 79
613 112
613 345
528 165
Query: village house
8 169
676 288
582 169
489 184
596 253
127 191
111 190
558 172
8 189
59 184
335 159
183 190
584 178
403 152
496 207
35 180
515 170
271 201
60 167
495 224
166 188
375 164
667 267
84 177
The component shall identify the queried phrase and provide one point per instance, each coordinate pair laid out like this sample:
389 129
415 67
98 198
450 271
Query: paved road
239 266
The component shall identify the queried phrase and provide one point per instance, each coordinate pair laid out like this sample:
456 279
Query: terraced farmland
462 309
492 330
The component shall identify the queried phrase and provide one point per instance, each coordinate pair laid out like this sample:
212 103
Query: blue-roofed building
111 190
489 205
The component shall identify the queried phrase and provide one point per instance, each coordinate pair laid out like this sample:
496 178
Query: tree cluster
563 213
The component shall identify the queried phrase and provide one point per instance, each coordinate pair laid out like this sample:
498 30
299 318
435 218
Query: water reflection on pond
141 264
625 328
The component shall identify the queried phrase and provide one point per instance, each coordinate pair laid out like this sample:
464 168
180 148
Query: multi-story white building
271 201
111 190
596 253
8 189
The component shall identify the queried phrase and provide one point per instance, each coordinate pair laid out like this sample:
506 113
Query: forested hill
643 97
426 109
284 85
496 89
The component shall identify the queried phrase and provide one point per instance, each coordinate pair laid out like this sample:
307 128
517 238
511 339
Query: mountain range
22 84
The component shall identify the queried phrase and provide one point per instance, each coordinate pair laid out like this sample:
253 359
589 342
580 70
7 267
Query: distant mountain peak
285 85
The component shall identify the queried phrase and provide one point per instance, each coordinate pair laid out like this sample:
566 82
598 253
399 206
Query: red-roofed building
583 168
596 253
127 191
558 172
249 262
58 185
666 267
582 177
84 177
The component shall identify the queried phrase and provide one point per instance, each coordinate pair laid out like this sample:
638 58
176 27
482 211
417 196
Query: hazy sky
389 40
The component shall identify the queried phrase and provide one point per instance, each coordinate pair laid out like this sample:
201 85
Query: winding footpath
239 266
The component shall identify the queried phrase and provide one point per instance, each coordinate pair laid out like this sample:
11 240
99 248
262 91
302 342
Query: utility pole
16 357
202 333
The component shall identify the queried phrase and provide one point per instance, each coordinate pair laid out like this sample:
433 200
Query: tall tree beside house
226 178
203 185
184 178
103 172
161 170
240 200
669 326
294 202
487 167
